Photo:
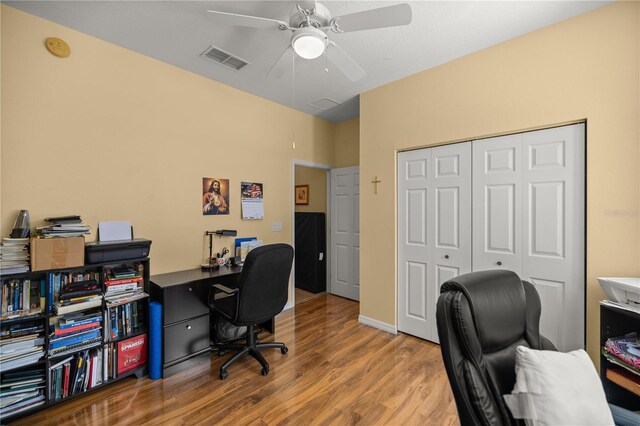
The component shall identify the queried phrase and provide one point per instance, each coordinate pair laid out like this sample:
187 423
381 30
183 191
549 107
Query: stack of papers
21 391
20 351
14 255
64 226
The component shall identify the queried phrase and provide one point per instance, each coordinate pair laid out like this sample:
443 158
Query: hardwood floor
337 371
304 296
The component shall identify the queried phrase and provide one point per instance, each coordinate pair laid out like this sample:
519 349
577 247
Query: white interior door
553 173
434 231
528 209
497 203
415 289
449 224
345 232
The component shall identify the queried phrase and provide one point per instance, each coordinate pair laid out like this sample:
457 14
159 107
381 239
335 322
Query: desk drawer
186 338
185 301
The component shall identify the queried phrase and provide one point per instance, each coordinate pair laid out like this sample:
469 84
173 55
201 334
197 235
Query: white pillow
555 388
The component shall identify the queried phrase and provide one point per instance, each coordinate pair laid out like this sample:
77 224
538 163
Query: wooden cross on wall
375 182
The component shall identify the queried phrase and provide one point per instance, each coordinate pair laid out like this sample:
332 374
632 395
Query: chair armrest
546 344
226 289
217 289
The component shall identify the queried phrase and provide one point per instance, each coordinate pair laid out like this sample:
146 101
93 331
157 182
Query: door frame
326 168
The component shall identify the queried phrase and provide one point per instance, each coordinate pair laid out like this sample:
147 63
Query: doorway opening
310 230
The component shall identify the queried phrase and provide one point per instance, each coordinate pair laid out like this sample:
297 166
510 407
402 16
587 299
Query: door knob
446 256
188 327
499 263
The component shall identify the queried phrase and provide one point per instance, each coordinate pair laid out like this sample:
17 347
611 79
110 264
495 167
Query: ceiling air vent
219 56
324 104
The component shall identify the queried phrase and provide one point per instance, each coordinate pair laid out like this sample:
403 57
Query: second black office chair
261 294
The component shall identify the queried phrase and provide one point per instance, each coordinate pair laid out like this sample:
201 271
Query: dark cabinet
187 338
621 385
310 260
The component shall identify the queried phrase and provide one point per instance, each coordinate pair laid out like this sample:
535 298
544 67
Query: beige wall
317 181
114 135
347 143
583 68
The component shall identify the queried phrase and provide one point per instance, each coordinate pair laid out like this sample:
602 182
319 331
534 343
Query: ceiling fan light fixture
308 42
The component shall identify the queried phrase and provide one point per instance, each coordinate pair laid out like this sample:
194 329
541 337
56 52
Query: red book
132 353
124 281
76 329
91 361
65 383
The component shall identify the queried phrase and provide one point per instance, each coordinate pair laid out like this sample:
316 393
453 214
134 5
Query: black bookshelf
47 316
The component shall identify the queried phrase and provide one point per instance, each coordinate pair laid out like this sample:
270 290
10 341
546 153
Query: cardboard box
56 253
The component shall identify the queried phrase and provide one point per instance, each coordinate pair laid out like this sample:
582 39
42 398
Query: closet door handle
446 256
189 327
499 263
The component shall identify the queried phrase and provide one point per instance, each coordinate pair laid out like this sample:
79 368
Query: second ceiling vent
218 55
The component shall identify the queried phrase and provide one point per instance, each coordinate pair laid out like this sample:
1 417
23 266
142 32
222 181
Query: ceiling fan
310 21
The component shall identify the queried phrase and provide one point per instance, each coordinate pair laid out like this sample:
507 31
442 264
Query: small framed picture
302 195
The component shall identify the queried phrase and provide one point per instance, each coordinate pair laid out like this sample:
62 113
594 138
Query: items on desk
247 246
214 262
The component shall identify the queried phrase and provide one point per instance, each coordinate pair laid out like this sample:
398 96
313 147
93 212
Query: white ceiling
177 32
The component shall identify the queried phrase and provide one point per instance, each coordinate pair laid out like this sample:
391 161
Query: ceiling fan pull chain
326 60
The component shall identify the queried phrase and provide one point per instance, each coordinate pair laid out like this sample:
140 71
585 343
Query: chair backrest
482 317
264 283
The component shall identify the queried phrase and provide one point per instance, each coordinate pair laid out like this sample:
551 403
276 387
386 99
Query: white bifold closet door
528 217
434 230
513 202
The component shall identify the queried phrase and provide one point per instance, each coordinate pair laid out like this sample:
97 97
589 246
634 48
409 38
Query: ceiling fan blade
246 21
344 62
307 4
390 16
282 64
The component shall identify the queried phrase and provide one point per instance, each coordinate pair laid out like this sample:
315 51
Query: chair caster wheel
223 374
221 353
284 350
265 371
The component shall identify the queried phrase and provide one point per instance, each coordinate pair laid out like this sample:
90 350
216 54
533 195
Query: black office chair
482 317
261 293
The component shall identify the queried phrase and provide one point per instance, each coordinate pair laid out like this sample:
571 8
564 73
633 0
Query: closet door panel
450 222
497 199
415 276
553 237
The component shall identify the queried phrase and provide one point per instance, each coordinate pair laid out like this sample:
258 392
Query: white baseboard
378 324
289 305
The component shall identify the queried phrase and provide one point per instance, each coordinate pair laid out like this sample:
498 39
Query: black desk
185 314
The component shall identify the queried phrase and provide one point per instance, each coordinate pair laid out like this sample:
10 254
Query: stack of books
21 391
75 374
124 284
64 226
14 256
73 292
74 332
21 298
22 328
20 351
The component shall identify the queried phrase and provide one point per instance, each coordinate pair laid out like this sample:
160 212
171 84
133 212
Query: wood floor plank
337 372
